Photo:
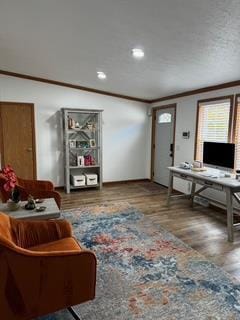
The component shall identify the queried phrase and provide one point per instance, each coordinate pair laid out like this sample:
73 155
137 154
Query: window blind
213 124
237 136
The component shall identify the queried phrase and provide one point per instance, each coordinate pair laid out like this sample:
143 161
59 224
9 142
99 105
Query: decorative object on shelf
72 143
84 126
72 159
77 180
11 186
30 205
90 126
91 179
92 143
80 161
71 123
89 160
82 144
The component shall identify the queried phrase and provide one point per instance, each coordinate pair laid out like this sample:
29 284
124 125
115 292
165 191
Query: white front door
164 144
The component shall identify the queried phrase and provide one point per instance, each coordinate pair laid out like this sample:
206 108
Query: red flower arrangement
11 182
11 177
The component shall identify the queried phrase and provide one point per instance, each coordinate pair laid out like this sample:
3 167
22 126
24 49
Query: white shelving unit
82 133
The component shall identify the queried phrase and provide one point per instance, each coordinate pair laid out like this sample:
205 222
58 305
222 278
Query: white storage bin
91 179
78 180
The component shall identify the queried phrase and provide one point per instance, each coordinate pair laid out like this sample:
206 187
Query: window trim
235 114
232 115
237 97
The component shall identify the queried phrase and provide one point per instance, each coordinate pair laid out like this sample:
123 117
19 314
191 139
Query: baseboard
61 188
125 181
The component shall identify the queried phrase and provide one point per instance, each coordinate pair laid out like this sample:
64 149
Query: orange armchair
42 268
37 188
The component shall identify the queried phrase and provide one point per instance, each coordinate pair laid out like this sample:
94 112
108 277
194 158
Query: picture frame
72 143
92 143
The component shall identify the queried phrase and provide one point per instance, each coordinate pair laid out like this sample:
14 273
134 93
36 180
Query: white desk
228 185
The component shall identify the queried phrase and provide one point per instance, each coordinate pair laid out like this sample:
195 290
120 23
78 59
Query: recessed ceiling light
101 75
137 53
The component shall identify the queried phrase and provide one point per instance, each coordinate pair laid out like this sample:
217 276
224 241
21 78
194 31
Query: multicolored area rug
146 273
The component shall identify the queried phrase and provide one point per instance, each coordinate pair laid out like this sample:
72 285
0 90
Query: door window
165 118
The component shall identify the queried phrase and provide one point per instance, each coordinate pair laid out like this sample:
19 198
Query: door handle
29 149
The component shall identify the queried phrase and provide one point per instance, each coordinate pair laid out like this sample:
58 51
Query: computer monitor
218 154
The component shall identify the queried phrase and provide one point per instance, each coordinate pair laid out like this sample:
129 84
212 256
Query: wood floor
204 229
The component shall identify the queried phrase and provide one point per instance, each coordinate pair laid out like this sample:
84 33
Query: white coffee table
52 211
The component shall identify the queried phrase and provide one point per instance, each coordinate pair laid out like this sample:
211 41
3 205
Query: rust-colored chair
37 188
42 268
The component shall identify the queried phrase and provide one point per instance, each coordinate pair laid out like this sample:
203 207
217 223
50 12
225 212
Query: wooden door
17 137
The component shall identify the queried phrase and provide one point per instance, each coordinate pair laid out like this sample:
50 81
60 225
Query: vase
13 206
15 195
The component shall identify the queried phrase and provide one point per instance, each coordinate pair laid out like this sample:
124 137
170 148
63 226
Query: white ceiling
188 43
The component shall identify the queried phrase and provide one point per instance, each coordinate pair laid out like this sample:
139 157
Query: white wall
125 128
186 121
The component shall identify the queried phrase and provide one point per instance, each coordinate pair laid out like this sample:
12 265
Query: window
165 118
214 123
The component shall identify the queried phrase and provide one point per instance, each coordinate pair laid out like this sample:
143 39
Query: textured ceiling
188 43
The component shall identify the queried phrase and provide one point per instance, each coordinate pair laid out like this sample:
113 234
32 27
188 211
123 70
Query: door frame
154 111
33 135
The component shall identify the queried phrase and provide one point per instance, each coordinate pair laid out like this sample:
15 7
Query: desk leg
170 187
193 189
229 214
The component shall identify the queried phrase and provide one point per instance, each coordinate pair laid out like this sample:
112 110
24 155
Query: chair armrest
36 184
49 283
28 233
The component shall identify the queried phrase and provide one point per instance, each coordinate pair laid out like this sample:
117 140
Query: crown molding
198 91
121 96
73 86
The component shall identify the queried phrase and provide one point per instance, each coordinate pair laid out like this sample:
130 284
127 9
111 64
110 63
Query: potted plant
11 187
